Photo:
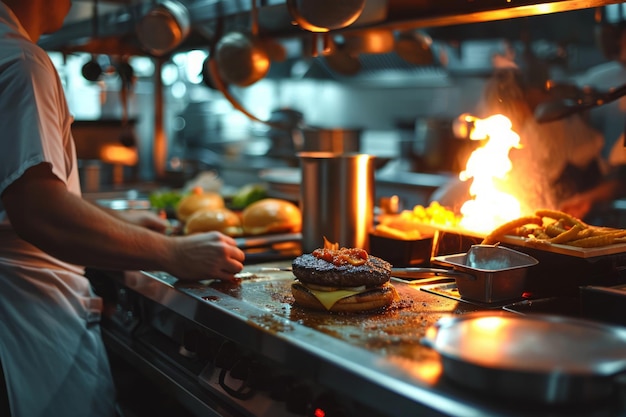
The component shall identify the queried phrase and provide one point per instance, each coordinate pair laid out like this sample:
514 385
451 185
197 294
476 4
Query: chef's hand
204 256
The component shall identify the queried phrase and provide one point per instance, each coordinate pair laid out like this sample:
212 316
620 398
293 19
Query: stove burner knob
299 399
241 370
189 347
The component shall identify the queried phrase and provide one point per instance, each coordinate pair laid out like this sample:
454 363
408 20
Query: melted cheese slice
329 298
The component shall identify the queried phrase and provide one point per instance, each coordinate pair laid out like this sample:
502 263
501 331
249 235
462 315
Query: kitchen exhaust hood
275 20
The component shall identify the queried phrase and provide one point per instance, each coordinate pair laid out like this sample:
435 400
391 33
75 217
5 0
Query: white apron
51 351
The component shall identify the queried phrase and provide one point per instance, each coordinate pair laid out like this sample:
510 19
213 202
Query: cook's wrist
172 255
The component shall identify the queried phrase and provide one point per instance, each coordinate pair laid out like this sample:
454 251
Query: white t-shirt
50 345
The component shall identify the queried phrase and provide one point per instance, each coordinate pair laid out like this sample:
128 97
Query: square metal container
491 273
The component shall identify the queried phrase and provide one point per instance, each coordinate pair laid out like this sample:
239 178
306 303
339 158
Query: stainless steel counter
373 364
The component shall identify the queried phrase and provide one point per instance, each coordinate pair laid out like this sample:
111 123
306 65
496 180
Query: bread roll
271 215
219 219
198 200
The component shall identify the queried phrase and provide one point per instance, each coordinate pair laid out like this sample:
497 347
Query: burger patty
310 269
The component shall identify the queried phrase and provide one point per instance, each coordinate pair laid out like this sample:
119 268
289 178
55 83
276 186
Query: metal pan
486 273
541 358
164 27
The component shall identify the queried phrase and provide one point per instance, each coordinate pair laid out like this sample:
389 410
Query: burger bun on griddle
373 299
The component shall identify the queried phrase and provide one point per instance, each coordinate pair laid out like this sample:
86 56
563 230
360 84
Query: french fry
593 241
553 230
568 235
541 235
558 215
502 230
588 232
597 231
599 240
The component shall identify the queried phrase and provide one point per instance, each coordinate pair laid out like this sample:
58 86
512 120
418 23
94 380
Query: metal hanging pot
325 15
232 61
164 27
241 57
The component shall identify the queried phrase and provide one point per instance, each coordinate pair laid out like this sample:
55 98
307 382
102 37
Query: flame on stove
491 204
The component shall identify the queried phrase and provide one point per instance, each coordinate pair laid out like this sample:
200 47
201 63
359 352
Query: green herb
165 199
247 195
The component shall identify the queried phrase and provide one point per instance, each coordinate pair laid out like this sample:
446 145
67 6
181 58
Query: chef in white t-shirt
52 357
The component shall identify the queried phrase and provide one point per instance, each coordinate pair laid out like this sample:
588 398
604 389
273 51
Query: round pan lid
538 343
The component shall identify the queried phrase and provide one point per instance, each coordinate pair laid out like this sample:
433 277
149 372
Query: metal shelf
275 20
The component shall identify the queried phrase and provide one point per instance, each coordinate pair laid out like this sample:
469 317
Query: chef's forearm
45 214
77 232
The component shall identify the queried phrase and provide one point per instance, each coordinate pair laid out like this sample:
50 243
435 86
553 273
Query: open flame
491 204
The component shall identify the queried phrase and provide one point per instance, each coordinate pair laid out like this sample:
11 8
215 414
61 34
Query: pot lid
538 343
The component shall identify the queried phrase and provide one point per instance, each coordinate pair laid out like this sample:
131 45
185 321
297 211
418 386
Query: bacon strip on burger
345 280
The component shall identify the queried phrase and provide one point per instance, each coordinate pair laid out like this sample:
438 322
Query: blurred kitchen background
391 86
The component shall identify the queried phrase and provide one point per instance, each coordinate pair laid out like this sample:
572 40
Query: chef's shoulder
24 61
27 71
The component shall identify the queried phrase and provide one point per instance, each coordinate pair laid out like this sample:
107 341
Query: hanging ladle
127 78
92 70
238 59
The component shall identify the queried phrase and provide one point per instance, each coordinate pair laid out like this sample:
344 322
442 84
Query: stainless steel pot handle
414 272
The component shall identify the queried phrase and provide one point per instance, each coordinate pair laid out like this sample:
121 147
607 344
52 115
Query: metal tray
491 273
